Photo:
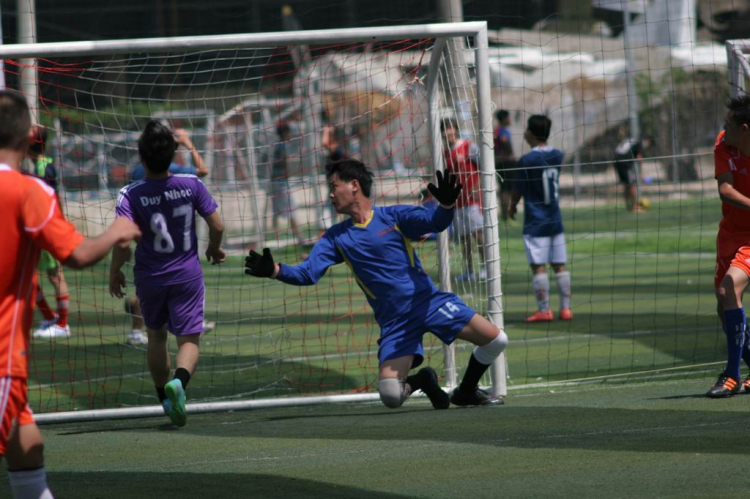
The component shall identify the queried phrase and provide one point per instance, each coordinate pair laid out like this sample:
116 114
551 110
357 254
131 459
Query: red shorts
731 251
13 406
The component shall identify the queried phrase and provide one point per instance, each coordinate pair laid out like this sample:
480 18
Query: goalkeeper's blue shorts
443 314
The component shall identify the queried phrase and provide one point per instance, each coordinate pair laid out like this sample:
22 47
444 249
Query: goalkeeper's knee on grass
486 354
393 392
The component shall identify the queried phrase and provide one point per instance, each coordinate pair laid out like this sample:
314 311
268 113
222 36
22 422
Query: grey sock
541 290
563 286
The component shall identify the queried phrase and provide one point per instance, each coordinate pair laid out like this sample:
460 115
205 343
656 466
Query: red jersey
729 159
461 161
31 221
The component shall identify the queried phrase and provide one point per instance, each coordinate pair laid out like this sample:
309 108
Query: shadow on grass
109 485
122 378
678 430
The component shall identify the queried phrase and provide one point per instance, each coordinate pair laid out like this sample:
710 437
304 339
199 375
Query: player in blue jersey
168 273
537 182
375 244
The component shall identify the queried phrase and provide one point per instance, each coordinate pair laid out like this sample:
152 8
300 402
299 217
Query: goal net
264 113
738 52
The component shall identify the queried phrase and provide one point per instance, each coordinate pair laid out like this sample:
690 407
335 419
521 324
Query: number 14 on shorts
448 310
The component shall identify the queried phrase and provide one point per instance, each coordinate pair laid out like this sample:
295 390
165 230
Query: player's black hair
448 123
156 146
539 126
38 141
501 114
351 169
15 120
739 106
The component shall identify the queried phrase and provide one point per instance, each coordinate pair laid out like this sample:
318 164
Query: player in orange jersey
732 171
32 221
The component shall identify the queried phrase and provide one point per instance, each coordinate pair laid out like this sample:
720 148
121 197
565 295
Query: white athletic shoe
52 332
482 273
208 327
136 337
45 323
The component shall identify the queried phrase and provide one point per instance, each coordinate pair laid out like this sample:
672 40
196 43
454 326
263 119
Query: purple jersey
164 209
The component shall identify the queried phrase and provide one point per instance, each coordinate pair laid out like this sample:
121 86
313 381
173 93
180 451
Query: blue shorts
179 306
443 315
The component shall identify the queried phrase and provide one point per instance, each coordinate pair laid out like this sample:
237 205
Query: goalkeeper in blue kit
375 244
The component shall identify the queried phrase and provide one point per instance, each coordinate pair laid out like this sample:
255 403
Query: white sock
30 484
541 290
563 286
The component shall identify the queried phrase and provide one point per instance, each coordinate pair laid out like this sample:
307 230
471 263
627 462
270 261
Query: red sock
63 301
42 304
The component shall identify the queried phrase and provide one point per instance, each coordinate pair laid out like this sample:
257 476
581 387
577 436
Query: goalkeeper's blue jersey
380 255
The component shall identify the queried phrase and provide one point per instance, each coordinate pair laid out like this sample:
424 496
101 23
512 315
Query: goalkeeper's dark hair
539 126
156 146
351 169
15 120
739 106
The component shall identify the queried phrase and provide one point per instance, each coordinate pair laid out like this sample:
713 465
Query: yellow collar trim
367 222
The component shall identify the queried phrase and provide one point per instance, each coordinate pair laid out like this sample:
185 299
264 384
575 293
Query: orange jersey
728 159
31 221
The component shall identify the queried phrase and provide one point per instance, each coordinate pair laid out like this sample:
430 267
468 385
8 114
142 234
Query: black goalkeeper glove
260 266
447 190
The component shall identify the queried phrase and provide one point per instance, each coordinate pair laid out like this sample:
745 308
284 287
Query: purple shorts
179 306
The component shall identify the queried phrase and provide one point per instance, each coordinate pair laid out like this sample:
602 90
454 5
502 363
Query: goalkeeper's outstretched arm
416 221
323 255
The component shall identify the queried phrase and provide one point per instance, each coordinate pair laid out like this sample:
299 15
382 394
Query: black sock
415 382
183 375
473 374
160 393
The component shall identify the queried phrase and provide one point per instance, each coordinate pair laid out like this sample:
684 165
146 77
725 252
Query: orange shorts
732 250
13 406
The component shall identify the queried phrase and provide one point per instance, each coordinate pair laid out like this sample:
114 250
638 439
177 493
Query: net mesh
264 122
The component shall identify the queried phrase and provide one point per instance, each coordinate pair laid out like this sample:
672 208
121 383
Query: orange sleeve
44 222
721 156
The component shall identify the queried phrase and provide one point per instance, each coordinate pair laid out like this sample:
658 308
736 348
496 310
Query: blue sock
734 328
746 348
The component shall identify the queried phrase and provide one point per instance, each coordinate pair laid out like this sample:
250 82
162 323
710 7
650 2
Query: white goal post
739 67
476 32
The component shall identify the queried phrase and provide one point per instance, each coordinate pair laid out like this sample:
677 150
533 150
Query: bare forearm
91 250
200 166
215 229
730 195
215 236
515 197
119 257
